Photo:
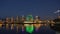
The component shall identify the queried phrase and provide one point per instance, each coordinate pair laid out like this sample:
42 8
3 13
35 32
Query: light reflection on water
42 30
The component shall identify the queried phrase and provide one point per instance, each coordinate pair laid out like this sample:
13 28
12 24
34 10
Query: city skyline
45 9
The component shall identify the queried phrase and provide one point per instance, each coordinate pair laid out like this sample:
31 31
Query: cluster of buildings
12 22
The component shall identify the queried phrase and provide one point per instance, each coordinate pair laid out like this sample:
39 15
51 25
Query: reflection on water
15 29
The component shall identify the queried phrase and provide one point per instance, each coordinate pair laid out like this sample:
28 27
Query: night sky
41 8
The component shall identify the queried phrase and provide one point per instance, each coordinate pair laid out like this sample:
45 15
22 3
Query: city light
28 23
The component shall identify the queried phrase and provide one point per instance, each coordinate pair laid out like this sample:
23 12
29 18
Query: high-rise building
7 23
37 20
12 21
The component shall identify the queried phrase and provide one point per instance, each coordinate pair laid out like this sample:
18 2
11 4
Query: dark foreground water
42 30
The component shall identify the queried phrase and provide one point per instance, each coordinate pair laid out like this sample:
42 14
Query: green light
29 17
29 28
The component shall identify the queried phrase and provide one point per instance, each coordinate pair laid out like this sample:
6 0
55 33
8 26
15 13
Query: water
42 30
